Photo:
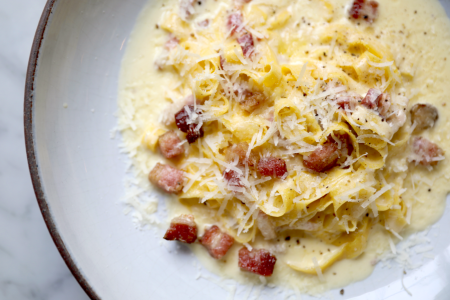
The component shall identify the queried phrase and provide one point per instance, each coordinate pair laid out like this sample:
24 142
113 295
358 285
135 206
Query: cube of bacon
378 101
167 178
364 9
323 158
426 153
246 43
348 100
170 144
235 22
272 166
329 154
233 178
187 121
217 242
239 151
424 115
183 229
260 261
252 100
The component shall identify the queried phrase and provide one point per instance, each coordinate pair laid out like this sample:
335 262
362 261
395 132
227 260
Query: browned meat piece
217 242
183 229
170 144
348 100
426 152
233 178
364 10
272 166
377 101
167 178
187 121
258 261
251 100
240 151
265 226
328 155
424 115
235 22
323 158
247 45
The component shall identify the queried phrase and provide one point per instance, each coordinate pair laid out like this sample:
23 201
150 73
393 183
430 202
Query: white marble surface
30 265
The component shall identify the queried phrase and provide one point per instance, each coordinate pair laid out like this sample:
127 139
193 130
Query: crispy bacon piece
272 166
170 144
426 152
252 100
265 226
323 158
240 151
234 22
378 101
329 154
364 9
247 45
183 229
233 178
424 115
348 100
217 242
258 261
167 178
188 123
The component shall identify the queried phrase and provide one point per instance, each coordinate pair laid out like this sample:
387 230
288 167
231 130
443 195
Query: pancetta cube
252 100
233 178
247 44
167 178
183 229
239 151
364 10
217 242
426 153
235 22
377 101
187 120
424 116
258 261
272 166
170 144
335 150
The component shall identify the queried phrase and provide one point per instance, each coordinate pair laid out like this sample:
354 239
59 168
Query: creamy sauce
418 34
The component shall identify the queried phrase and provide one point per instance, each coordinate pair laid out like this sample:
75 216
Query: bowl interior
81 172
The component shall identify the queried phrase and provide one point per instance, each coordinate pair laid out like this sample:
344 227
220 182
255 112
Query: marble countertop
31 267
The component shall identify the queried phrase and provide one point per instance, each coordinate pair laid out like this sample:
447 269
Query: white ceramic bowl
77 170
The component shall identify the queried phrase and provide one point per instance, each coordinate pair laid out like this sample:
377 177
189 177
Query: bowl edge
31 151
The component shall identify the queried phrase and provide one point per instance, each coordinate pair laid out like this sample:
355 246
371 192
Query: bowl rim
31 151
